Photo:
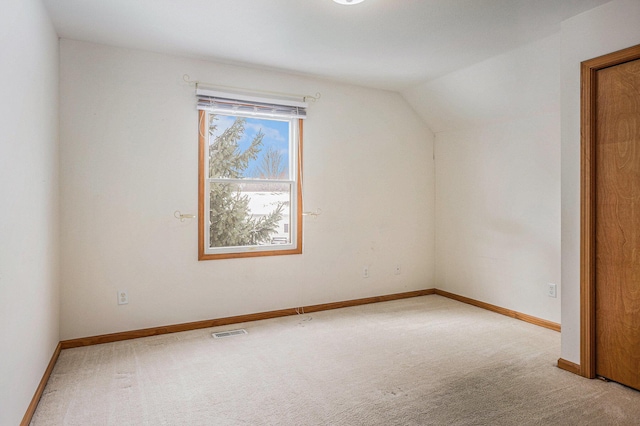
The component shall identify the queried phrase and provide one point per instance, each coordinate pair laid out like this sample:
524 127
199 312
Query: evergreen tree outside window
250 201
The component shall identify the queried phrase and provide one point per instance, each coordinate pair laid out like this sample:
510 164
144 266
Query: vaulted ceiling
386 44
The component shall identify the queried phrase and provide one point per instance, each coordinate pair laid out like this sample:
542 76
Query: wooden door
617 223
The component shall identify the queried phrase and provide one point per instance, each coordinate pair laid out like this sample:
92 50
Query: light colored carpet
421 361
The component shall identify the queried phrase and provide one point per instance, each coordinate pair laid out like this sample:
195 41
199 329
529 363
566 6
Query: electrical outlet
365 272
397 270
123 297
552 290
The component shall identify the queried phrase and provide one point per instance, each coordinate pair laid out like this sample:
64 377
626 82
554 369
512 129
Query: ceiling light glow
348 2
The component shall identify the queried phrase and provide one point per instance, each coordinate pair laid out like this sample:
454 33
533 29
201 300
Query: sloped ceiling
385 44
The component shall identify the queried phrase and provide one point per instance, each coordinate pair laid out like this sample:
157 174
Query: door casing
589 71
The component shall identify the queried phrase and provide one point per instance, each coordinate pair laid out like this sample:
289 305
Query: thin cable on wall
251 102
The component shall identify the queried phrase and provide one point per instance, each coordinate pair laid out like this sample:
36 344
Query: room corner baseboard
155 331
45 378
569 366
176 328
508 312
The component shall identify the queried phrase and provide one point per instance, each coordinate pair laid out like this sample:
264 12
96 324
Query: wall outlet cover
552 290
123 297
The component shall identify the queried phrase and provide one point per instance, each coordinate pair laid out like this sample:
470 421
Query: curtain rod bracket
179 215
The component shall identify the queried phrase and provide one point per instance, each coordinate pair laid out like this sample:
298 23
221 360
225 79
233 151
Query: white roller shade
225 102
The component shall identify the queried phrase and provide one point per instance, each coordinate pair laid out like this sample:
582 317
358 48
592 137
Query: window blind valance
216 101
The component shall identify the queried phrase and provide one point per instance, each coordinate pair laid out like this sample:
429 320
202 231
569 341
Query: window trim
203 212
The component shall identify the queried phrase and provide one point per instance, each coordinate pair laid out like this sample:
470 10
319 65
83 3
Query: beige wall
497 127
129 160
29 243
608 28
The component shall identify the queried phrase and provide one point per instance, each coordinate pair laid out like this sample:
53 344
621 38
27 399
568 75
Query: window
250 200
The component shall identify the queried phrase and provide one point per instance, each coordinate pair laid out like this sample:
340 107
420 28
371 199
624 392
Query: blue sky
276 134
